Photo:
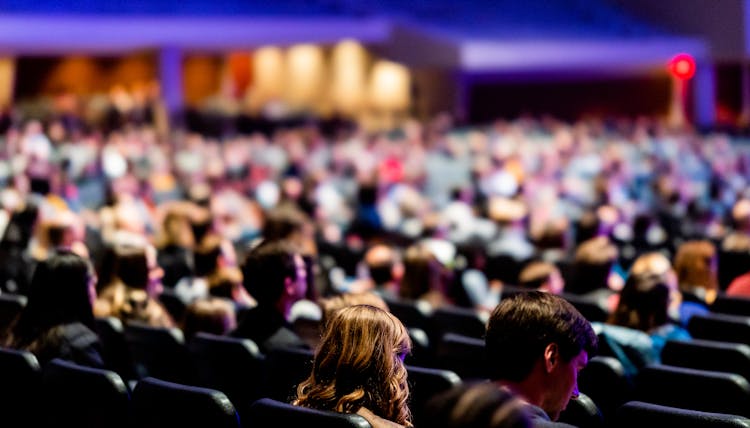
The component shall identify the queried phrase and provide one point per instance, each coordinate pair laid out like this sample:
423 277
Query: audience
58 321
358 368
537 343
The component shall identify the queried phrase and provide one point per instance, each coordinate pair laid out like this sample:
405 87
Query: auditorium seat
11 306
731 305
723 328
422 353
703 390
463 355
115 350
157 403
159 352
463 321
582 412
20 383
231 365
84 397
286 368
640 414
708 355
424 383
268 413
410 315
588 306
173 304
605 382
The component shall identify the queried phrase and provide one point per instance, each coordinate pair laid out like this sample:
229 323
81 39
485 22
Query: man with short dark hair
274 274
537 343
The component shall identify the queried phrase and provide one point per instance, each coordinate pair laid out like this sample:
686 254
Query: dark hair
59 294
283 222
643 304
265 270
482 405
521 327
131 266
206 255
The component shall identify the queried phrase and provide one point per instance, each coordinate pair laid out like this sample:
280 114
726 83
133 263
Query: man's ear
551 356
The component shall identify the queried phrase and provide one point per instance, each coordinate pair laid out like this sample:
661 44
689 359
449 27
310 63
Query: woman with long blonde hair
359 368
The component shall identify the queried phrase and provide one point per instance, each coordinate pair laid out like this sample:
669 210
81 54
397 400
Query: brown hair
330 305
359 363
693 264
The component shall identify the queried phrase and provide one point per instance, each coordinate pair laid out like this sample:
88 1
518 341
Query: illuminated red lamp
682 66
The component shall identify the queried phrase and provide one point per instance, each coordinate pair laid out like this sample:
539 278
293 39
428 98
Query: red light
682 66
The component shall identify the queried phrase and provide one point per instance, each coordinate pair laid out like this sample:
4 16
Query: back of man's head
521 327
266 269
380 261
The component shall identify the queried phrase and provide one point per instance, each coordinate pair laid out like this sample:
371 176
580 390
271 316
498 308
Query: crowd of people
647 222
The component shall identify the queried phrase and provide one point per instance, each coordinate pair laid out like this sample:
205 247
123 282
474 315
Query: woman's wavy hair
359 363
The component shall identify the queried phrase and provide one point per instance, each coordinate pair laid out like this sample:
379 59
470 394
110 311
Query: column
170 79
704 95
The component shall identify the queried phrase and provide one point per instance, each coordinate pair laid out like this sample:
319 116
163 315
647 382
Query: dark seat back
20 383
723 328
588 307
287 368
466 356
463 321
173 304
231 365
425 383
731 305
703 390
78 396
11 306
158 403
115 350
605 382
159 352
640 414
708 355
408 313
268 413
582 412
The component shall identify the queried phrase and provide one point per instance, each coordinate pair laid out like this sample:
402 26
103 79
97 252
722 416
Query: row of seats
65 394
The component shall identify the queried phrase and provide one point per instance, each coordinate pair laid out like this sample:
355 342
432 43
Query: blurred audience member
696 267
209 315
58 321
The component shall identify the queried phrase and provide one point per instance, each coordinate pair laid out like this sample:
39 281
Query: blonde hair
359 363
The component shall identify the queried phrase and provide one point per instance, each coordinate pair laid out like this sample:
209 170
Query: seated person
210 315
136 282
358 368
274 273
541 276
538 343
425 279
640 325
58 321
697 270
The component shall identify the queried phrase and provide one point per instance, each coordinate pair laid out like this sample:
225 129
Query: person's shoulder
540 419
375 420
